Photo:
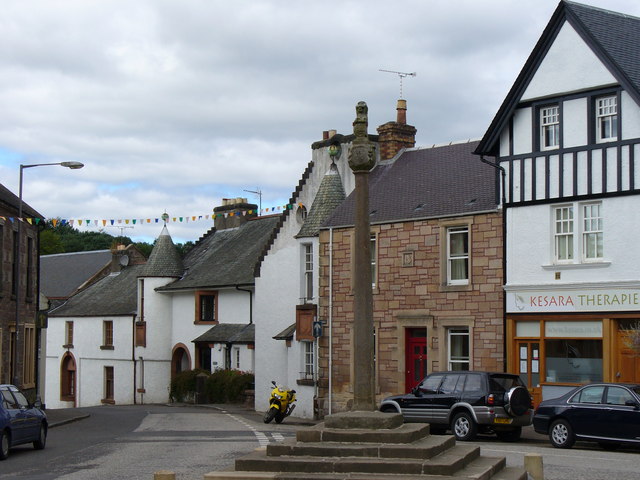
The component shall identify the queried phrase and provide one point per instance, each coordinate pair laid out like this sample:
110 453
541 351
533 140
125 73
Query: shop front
559 339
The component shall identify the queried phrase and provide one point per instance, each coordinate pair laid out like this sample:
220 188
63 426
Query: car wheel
509 435
517 401
4 445
388 409
463 426
40 443
561 434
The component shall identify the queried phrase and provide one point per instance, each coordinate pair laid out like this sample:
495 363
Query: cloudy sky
174 105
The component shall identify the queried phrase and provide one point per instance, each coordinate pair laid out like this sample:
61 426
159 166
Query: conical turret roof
330 195
164 261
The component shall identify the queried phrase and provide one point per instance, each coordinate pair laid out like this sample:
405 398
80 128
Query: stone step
483 468
423 448
447 463
508 473
407 433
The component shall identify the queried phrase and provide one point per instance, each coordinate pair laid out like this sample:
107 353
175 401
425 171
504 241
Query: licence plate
503 420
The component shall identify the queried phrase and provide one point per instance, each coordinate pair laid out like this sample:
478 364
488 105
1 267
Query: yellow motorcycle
280 404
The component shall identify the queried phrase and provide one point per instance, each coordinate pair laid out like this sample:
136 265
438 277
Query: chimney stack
233 213
394 136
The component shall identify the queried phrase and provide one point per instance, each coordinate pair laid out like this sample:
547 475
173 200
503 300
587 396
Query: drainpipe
503 202
133 358
250 302
142 389
330 317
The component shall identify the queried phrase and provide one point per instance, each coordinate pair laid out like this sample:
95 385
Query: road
132 442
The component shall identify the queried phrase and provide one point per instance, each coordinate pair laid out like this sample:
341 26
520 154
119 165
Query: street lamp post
73 166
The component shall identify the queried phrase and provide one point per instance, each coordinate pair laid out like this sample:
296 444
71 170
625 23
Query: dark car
20 421
606 413
467 403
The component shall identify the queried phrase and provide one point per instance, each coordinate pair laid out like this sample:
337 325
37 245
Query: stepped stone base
369 446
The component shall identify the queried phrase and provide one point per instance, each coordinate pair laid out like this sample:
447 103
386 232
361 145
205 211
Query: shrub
221 386
183 386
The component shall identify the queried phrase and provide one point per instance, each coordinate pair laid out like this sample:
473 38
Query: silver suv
467 403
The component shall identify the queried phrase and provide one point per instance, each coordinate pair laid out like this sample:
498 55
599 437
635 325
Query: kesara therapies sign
588 300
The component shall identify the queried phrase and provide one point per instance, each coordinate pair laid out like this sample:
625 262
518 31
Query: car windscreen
504 383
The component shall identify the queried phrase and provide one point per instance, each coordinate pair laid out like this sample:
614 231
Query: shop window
573 360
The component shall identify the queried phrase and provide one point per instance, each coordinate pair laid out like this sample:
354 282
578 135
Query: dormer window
607 119
549 127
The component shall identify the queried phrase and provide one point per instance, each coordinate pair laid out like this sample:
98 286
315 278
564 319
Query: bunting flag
139 221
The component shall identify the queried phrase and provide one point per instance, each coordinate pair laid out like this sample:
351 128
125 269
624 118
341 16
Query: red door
416 356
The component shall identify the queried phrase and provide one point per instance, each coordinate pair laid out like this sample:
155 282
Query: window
29 360
309 361
374 266
68 378
431 384
14 270
564 234
549 127
108 385
607 119
592 231
237 350
567 246
206 307
573 360
68 336
307 293
589 395
458 349
458 255
619 396
30 255
107 334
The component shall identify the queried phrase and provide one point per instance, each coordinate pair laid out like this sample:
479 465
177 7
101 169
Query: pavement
63 416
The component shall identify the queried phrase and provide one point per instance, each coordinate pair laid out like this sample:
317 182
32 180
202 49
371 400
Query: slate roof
426 183
226 257
113 295
330 194
229 333
164 261
61 274
286 334
615 39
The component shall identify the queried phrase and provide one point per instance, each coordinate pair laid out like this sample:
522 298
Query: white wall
530 246
278 291
569 65
90 360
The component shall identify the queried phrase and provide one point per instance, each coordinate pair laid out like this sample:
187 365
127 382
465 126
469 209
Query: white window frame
307 272
458 332
563 234
374 261
592 232
549 127
606 110
454 257
578 231
308 360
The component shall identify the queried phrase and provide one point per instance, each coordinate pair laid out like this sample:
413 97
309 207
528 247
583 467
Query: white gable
569 65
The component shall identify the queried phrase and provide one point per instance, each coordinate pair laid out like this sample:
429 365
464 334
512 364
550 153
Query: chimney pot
402 112
325 135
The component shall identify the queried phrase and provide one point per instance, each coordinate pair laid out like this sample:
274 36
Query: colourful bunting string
134 221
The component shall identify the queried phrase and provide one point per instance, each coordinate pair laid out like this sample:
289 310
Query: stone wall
410 292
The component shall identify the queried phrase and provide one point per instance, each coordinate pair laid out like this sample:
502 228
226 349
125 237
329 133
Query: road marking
278 437
262 438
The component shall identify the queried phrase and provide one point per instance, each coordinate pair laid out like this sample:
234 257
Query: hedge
221 386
